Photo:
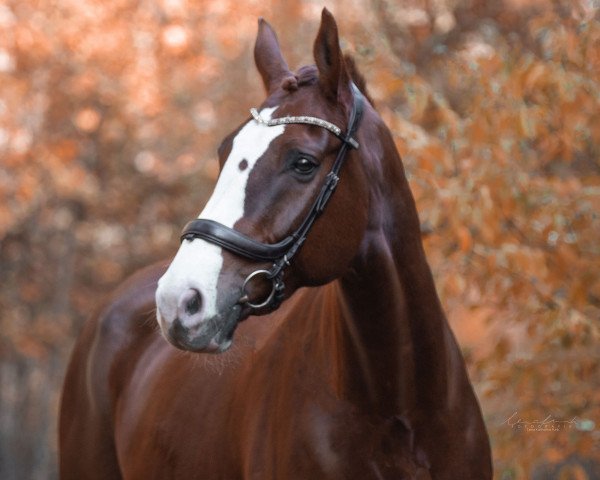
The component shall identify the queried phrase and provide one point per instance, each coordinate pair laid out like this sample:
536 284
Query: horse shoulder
122 328
95 376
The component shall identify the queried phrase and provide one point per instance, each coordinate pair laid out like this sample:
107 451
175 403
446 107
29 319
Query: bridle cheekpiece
280 253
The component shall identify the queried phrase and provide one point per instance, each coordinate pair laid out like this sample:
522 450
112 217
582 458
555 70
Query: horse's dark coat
359 377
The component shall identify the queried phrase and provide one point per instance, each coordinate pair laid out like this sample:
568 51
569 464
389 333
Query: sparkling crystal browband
337 131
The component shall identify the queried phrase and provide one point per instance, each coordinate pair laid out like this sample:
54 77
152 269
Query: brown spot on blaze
243 165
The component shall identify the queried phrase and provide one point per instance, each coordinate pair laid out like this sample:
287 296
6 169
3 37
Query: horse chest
321 437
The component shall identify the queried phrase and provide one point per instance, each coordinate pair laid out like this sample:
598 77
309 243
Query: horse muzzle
186 324
213 335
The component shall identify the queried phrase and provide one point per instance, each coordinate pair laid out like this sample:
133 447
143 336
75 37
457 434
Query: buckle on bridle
328 188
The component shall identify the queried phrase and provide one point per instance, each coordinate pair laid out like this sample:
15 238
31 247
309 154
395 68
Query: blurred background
110 113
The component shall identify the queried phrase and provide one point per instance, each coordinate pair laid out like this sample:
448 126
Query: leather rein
280 253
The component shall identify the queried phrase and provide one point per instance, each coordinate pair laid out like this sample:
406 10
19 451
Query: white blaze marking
198 263
226 205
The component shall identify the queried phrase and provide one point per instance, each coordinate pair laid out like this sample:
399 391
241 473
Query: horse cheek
335 238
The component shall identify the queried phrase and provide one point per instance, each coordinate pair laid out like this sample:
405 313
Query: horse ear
333 75
268 58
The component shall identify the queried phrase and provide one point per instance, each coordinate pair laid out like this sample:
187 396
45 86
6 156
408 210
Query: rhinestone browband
337 131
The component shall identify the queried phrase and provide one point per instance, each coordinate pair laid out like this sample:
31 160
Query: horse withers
306 274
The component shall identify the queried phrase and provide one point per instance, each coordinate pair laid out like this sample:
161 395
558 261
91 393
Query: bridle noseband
280 253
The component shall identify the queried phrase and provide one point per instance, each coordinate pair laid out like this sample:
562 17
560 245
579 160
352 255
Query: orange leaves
530 121
465 240
455 285
175 38
87 120
63 151
210 170
526 261
388 84
418 96
433 158
535 79
26 188
479 132
70 182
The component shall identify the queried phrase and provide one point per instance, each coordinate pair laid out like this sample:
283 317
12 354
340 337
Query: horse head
279 170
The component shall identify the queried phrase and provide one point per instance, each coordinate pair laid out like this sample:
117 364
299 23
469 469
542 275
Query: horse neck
393 332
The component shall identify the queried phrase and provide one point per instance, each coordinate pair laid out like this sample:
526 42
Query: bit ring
245 297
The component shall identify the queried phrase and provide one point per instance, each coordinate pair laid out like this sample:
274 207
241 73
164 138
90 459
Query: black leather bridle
280 253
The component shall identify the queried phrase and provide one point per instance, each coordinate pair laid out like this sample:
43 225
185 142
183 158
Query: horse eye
304 166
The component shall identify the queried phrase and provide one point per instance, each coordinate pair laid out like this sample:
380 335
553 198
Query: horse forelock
307 75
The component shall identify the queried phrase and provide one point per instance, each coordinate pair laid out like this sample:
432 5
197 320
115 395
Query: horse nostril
190 302
194 304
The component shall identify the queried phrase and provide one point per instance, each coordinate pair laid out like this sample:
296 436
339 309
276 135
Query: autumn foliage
110 113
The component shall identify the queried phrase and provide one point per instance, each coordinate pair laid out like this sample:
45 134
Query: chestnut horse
351 372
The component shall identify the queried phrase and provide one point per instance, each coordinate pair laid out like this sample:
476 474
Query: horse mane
357 77
308 75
